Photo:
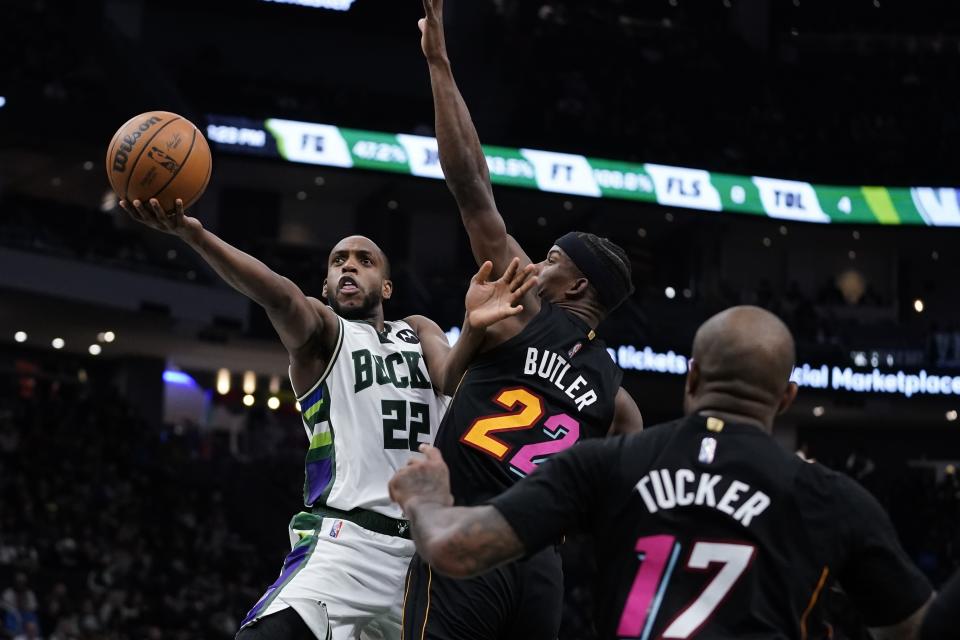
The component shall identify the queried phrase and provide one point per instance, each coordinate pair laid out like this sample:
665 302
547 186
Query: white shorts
346 582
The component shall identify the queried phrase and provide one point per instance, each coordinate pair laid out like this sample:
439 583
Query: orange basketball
159 155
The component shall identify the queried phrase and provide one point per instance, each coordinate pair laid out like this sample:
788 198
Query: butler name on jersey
366 416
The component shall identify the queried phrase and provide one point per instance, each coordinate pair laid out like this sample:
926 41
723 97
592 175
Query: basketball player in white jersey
371 392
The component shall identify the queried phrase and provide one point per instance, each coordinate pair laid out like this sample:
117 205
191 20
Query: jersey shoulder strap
338 345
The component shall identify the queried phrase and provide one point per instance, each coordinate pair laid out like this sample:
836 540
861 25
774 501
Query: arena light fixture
670 292
94 349
178 377
248 400
332 5
249 382
108 202
109 336
223 381
918 305
58 343
951 415
20 336
3 101
274 385
273 403
818 411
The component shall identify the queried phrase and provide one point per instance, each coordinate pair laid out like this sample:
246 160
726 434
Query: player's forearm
462 353
243 272
462 541
461 156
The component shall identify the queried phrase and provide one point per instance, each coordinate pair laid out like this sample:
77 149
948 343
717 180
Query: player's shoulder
421 324
820 485
322 309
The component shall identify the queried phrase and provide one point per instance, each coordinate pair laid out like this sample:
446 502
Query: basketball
159 155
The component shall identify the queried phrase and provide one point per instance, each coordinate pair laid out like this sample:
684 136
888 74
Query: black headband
609 283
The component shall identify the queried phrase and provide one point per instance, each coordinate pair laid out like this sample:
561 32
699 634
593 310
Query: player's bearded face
356 307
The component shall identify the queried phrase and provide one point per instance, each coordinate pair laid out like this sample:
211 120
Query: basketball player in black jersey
704 527
542 382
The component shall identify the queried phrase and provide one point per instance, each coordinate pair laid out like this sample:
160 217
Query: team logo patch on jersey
575 350
408 336
708 449
335 529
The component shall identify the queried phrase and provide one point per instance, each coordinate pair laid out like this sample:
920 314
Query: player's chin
354 306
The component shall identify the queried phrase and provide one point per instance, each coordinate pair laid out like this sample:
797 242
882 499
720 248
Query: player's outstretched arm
487 302
626 417
461 156
298 321
456 541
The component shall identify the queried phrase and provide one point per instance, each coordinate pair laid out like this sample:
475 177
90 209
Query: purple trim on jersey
293 562
319 474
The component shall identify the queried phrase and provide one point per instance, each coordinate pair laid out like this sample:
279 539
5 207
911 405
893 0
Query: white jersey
366 417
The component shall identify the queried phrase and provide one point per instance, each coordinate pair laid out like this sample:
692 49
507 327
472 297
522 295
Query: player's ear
788 397
324 292
578 289
386 291
693 378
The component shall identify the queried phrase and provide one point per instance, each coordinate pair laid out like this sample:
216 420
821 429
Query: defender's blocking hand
431 29
490 302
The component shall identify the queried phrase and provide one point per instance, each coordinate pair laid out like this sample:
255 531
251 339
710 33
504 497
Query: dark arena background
792 154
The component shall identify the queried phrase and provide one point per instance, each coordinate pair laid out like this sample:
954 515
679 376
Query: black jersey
711 530
551 385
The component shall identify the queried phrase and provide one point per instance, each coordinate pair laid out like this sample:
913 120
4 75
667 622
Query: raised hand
426 479
489 302
431 29
177 223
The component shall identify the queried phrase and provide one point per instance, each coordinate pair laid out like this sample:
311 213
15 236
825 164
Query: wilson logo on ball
126 144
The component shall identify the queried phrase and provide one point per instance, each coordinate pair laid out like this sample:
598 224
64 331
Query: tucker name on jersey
665 489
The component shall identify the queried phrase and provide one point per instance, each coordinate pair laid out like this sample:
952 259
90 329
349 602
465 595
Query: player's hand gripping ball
159 155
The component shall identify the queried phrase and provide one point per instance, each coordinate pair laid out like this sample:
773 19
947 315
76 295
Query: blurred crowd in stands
112 530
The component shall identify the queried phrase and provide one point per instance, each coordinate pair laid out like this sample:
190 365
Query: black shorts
519 601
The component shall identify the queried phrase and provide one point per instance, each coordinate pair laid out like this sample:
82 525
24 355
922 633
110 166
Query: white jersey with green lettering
366 416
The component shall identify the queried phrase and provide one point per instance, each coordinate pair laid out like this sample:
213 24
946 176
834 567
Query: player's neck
733 410
375 320
588 315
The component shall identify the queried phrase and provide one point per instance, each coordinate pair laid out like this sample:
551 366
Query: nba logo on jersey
335 529
708 448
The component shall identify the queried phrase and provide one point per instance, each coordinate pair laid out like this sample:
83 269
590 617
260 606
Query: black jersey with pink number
547 388
711 530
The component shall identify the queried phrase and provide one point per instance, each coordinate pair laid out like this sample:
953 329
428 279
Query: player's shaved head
742 361
363 242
